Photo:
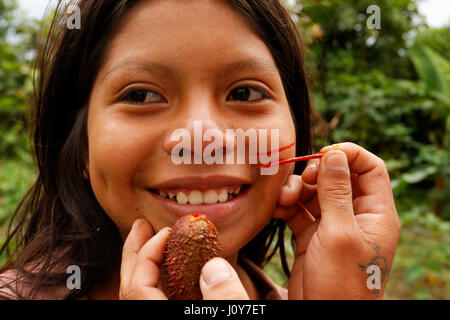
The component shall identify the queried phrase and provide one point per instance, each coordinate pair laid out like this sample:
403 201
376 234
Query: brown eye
141 96
248 94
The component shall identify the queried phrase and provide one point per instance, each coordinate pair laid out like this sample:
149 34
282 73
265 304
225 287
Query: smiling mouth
200 197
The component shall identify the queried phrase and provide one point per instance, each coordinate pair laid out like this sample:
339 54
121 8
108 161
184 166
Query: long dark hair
59 220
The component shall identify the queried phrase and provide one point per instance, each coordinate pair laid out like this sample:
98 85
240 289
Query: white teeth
182 198
195 197
162 193
223 196
210 197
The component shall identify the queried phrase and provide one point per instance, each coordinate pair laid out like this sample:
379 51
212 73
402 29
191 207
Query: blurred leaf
418 175
434 70
414 272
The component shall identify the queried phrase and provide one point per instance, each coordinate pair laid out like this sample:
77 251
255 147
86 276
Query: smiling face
169 64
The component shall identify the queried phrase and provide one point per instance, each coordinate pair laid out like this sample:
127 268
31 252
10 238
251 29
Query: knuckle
380 169
351 144
344 238
337 190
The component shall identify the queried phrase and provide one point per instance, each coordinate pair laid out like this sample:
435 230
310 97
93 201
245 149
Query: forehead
188 35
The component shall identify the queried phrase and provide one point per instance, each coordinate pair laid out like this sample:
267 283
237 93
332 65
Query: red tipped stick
302 158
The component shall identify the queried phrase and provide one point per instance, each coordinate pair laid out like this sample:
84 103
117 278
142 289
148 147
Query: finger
334 189
293 216
373 178
309 175
219 281
140 233
313 206
298 215
296 190
299 221
356 190
302 243
146 270
290 191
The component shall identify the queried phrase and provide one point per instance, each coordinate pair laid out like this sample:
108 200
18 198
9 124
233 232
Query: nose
204 140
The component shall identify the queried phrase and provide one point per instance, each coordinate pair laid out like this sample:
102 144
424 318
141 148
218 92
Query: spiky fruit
191 243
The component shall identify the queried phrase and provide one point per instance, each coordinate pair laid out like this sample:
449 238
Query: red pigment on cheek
270 152
279 150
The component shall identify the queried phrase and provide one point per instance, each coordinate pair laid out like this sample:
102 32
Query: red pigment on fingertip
196 215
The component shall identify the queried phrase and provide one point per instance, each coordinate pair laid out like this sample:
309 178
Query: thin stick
308 214
302 158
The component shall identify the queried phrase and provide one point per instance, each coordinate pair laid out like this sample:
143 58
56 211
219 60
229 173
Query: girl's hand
348 251
142 256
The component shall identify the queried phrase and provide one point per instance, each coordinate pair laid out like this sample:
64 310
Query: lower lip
217 212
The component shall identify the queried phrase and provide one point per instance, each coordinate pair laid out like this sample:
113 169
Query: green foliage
16 54
436 39
372 87
422 260
381 90
434 70
388 91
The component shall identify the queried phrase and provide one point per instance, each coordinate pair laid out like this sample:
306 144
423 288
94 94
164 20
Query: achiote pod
191 243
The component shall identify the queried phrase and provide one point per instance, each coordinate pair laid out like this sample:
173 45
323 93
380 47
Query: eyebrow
251 65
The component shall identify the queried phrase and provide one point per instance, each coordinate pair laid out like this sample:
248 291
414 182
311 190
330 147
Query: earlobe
86 172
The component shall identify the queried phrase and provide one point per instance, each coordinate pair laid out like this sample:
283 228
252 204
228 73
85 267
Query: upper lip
201 183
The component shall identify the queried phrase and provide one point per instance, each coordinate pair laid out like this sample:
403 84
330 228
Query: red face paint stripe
279 150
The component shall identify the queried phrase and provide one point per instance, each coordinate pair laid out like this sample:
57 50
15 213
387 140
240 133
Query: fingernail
287 186
313 164
337 162
329 148
135 224
215 271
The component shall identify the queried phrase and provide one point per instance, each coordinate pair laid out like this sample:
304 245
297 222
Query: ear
86 163
86 172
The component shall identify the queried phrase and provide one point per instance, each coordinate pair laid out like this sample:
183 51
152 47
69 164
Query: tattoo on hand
378 267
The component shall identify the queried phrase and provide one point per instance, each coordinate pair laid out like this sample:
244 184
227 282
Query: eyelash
126 95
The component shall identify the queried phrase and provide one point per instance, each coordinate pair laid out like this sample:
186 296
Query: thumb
219 281
334 189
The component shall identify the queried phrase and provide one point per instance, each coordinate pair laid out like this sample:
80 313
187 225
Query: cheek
118 150
262 201
263 195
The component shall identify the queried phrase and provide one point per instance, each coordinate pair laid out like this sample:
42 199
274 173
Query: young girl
108 97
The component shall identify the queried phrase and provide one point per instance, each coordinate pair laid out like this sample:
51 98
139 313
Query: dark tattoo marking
379 261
